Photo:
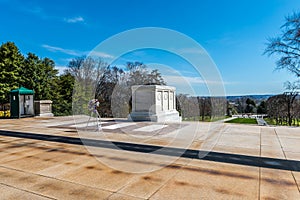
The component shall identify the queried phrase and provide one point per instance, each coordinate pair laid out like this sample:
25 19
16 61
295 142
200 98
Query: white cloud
74 19
100 54
77 53
182 79
177 79
61 69
62 50
196 86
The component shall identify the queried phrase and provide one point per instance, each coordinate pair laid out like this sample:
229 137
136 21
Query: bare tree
200 108
86 72
276 108
289 98
284 108
287 45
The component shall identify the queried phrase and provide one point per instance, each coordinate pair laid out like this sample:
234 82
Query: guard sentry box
21 103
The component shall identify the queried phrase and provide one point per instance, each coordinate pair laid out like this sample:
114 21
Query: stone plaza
42 158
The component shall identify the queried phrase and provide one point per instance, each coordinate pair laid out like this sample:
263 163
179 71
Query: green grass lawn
206 118
242 121
273 122
270 121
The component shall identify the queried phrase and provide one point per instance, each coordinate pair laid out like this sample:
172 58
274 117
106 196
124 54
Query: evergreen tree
11 61
62 103
39 74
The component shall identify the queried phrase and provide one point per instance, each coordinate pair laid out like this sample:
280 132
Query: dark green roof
22 90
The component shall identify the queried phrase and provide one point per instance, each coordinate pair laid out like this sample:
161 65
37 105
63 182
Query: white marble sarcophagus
155 103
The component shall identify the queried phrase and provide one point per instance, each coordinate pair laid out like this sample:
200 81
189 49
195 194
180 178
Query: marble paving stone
11 193
292 155
65 190
235 129
17 155
146 184
212 181
272 152
82 125
296 175
268 131
46 186
4 139
97 175
117 196
19 150
288 132
196 145
134 162
151 128
270 141
40 161
66 166
116 126
290 144
245 141
278 184
18 179
236 150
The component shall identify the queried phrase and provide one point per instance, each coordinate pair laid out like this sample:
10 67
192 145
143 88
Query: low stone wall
43 108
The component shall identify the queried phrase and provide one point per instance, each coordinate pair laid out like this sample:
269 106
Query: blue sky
233 32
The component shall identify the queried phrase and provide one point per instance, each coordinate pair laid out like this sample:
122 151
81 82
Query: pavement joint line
259 169
175 174
131 181
295 181
222 132
266 162
113 193
151 128
38 194
118 126
54 178
286 159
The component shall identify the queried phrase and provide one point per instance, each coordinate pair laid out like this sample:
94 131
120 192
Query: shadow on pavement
255 161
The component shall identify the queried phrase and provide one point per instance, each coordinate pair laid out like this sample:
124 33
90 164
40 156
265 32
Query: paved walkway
244 161
261 122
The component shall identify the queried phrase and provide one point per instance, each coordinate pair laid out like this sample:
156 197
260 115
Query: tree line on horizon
112 87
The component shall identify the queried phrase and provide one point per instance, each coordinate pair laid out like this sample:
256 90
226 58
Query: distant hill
257 97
